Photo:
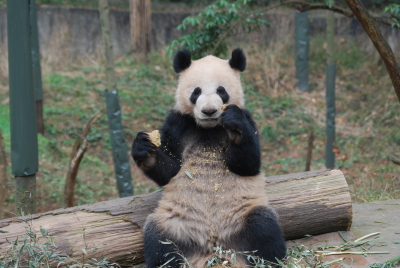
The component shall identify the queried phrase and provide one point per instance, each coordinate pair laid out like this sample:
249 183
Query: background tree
221 19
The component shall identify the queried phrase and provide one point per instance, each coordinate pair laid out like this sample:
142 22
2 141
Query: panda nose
209 112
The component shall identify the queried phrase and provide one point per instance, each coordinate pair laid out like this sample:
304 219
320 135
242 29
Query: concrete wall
70 33
67 34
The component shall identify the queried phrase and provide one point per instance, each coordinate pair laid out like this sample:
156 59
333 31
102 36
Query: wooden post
3 175
140 16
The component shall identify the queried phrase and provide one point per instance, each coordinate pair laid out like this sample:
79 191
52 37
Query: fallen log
308 203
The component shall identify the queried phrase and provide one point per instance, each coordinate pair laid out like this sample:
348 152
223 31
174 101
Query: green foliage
394 11
210 27
5 123
28 252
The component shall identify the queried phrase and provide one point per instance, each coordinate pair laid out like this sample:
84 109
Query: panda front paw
234 121
143 150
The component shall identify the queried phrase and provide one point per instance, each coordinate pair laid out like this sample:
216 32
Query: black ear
182 60
238 60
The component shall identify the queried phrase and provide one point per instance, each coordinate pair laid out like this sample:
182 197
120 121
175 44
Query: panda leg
155 251
262 233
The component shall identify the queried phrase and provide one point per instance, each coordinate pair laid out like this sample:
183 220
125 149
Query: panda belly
205 204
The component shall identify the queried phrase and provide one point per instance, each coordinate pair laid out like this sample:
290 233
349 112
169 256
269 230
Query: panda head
207 84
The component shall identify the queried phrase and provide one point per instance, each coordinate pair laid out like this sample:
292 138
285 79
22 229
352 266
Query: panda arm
243 155
161 163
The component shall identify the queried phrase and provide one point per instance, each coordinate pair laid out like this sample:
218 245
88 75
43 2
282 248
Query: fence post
119 147
302 48
24 143
330 90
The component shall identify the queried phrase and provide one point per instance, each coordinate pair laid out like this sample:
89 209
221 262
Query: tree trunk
108 47
307 203
140 16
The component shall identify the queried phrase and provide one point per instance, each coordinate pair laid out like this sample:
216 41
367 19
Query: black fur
155 251
243 156
168 155
142 147
223 94
182 60
195 95
262 233
238 60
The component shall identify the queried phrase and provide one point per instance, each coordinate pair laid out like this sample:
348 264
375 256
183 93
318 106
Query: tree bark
140 16
108 47
307 203
379 42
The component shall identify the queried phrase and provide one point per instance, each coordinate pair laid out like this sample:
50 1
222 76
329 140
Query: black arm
243 155
163 163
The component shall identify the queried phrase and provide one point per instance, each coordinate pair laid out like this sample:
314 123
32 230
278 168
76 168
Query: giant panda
208 164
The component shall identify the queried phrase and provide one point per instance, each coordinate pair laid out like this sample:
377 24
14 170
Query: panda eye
195 95
223 94
221 90
197 91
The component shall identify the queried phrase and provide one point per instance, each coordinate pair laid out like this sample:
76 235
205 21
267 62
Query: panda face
205 86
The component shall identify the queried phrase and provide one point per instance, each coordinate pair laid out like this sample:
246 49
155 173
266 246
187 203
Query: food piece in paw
155 137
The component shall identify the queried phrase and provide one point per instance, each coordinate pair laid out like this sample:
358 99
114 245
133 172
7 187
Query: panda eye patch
195 95
223 94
